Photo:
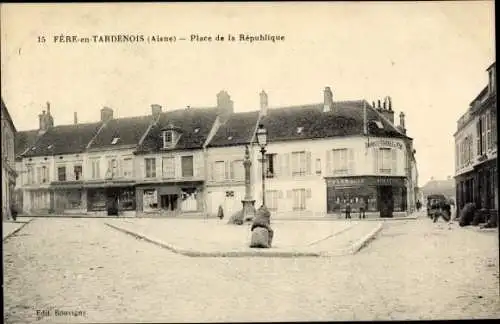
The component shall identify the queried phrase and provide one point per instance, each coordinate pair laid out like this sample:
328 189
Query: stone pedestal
248 209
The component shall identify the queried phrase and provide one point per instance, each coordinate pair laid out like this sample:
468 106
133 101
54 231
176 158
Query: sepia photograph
249 161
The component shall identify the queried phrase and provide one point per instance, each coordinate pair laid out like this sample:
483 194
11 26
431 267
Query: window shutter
198 161
231 169
334 159
289 194
308 193
286 171
375 159
227 170
280 194
119 168
210 171
351 161
277 165
478 128
308 163
394 161
328 167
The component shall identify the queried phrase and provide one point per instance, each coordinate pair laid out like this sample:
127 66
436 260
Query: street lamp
262 141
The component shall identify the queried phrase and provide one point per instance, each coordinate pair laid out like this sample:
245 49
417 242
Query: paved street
413 270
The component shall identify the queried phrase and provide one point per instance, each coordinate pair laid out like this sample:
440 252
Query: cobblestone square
90 272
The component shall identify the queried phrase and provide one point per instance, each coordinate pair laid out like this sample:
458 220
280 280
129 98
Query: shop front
486 187
376 194
68 198
112 199
170 199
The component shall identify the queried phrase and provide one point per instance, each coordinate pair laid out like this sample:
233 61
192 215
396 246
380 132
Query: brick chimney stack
264 104
75 118
402 122
328 100
106 114
225 106
156 111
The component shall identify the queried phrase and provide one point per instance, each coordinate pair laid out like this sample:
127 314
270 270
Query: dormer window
299 130
115 140
196 130
378 123
168 138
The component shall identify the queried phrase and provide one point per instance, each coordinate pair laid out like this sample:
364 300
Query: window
96 168
299 199
127 167
299 163
385 160
168 138
318 166
479 139
29 175
270 160
272 197
42 174
488 131
168 167
187 166
483 134
493 119
77 169
150 167
457 154
61 173
112 170
340 160
219 171
74 198
237 170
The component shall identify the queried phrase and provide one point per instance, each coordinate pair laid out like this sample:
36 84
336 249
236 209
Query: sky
430 57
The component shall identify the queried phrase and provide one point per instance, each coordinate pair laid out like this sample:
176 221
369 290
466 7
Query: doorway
112 202
169 202
385 201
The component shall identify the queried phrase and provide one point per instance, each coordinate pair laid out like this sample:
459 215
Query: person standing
348 210
362 209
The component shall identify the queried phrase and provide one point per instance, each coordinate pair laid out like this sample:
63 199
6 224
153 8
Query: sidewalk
9 228
214 238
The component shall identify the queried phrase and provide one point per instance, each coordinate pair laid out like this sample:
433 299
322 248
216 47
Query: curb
16 230
193 253
257 253
367 239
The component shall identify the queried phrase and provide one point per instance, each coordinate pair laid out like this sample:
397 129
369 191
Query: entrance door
112 202
386 201
169 202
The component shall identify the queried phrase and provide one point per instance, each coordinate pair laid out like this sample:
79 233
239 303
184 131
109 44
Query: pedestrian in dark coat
348 210
13 212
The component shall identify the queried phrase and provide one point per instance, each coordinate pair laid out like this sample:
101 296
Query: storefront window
74 198
127 199
150 200
97 199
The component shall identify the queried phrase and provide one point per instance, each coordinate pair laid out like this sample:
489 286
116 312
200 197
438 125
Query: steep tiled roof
6 115
309 121
193 123
23 140
64 139
128 131
237 130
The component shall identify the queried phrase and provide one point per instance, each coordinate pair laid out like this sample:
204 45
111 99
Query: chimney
42 123
106 114
49 121
155 111
378 104
402 122
225 106
327 100
75 118
387 110
264 105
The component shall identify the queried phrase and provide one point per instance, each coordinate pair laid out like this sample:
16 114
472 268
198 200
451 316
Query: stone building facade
476 150
9 174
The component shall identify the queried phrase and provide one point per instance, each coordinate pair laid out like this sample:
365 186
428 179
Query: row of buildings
476 150
189 161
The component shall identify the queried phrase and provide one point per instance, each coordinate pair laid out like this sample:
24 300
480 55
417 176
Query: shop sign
384 143
345 182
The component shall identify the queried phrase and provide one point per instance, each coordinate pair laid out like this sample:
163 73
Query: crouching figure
262 233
